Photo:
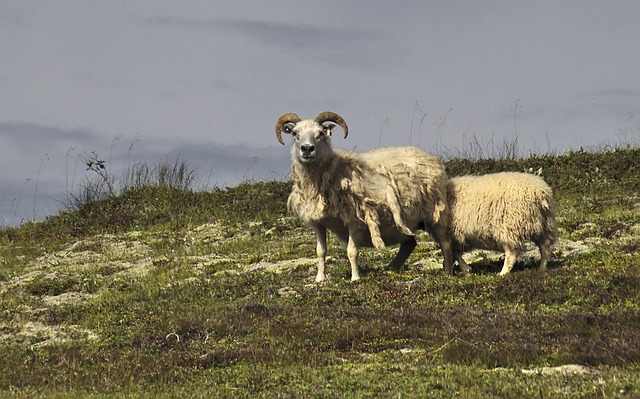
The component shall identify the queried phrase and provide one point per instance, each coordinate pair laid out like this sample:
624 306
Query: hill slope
164 293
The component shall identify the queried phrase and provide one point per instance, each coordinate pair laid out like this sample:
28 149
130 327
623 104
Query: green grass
165 292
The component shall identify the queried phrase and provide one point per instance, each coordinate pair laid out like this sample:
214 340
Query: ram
501 212
372 199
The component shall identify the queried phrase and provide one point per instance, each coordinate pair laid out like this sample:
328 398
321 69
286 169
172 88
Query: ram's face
311 141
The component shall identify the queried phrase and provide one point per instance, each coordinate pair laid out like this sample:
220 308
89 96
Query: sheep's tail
549 218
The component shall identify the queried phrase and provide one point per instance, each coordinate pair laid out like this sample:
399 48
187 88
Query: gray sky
206 81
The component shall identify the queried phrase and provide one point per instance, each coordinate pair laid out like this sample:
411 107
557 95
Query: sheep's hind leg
509 260
406 248
446 245
544 253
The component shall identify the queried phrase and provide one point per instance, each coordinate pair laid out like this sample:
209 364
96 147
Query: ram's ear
328 128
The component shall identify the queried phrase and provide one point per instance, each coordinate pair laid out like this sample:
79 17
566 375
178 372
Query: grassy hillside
165 292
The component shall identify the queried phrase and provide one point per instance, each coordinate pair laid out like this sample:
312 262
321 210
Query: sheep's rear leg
446 245
406 248
544 253
321 251
510 256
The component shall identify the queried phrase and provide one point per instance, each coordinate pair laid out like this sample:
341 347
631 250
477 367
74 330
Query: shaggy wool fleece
401 186
501 210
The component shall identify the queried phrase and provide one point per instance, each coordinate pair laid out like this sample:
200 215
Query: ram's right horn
282 122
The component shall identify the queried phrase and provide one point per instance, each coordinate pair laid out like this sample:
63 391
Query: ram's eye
294 134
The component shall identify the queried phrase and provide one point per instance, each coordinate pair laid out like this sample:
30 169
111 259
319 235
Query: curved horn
283 120
333 117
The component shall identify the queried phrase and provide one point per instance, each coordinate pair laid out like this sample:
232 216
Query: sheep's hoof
320 279
394 268
466 270
355 278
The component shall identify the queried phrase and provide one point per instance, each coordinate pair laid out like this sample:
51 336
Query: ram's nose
307 149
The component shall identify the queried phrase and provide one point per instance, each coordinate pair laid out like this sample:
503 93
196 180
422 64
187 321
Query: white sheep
381 197
501 212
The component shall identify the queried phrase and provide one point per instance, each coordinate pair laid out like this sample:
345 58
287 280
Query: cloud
274 33
617 95
31 132
288 35
27 146
351 46
11 19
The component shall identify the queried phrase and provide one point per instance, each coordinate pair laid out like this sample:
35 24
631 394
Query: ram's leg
352 254
509 260
406 248
321 250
